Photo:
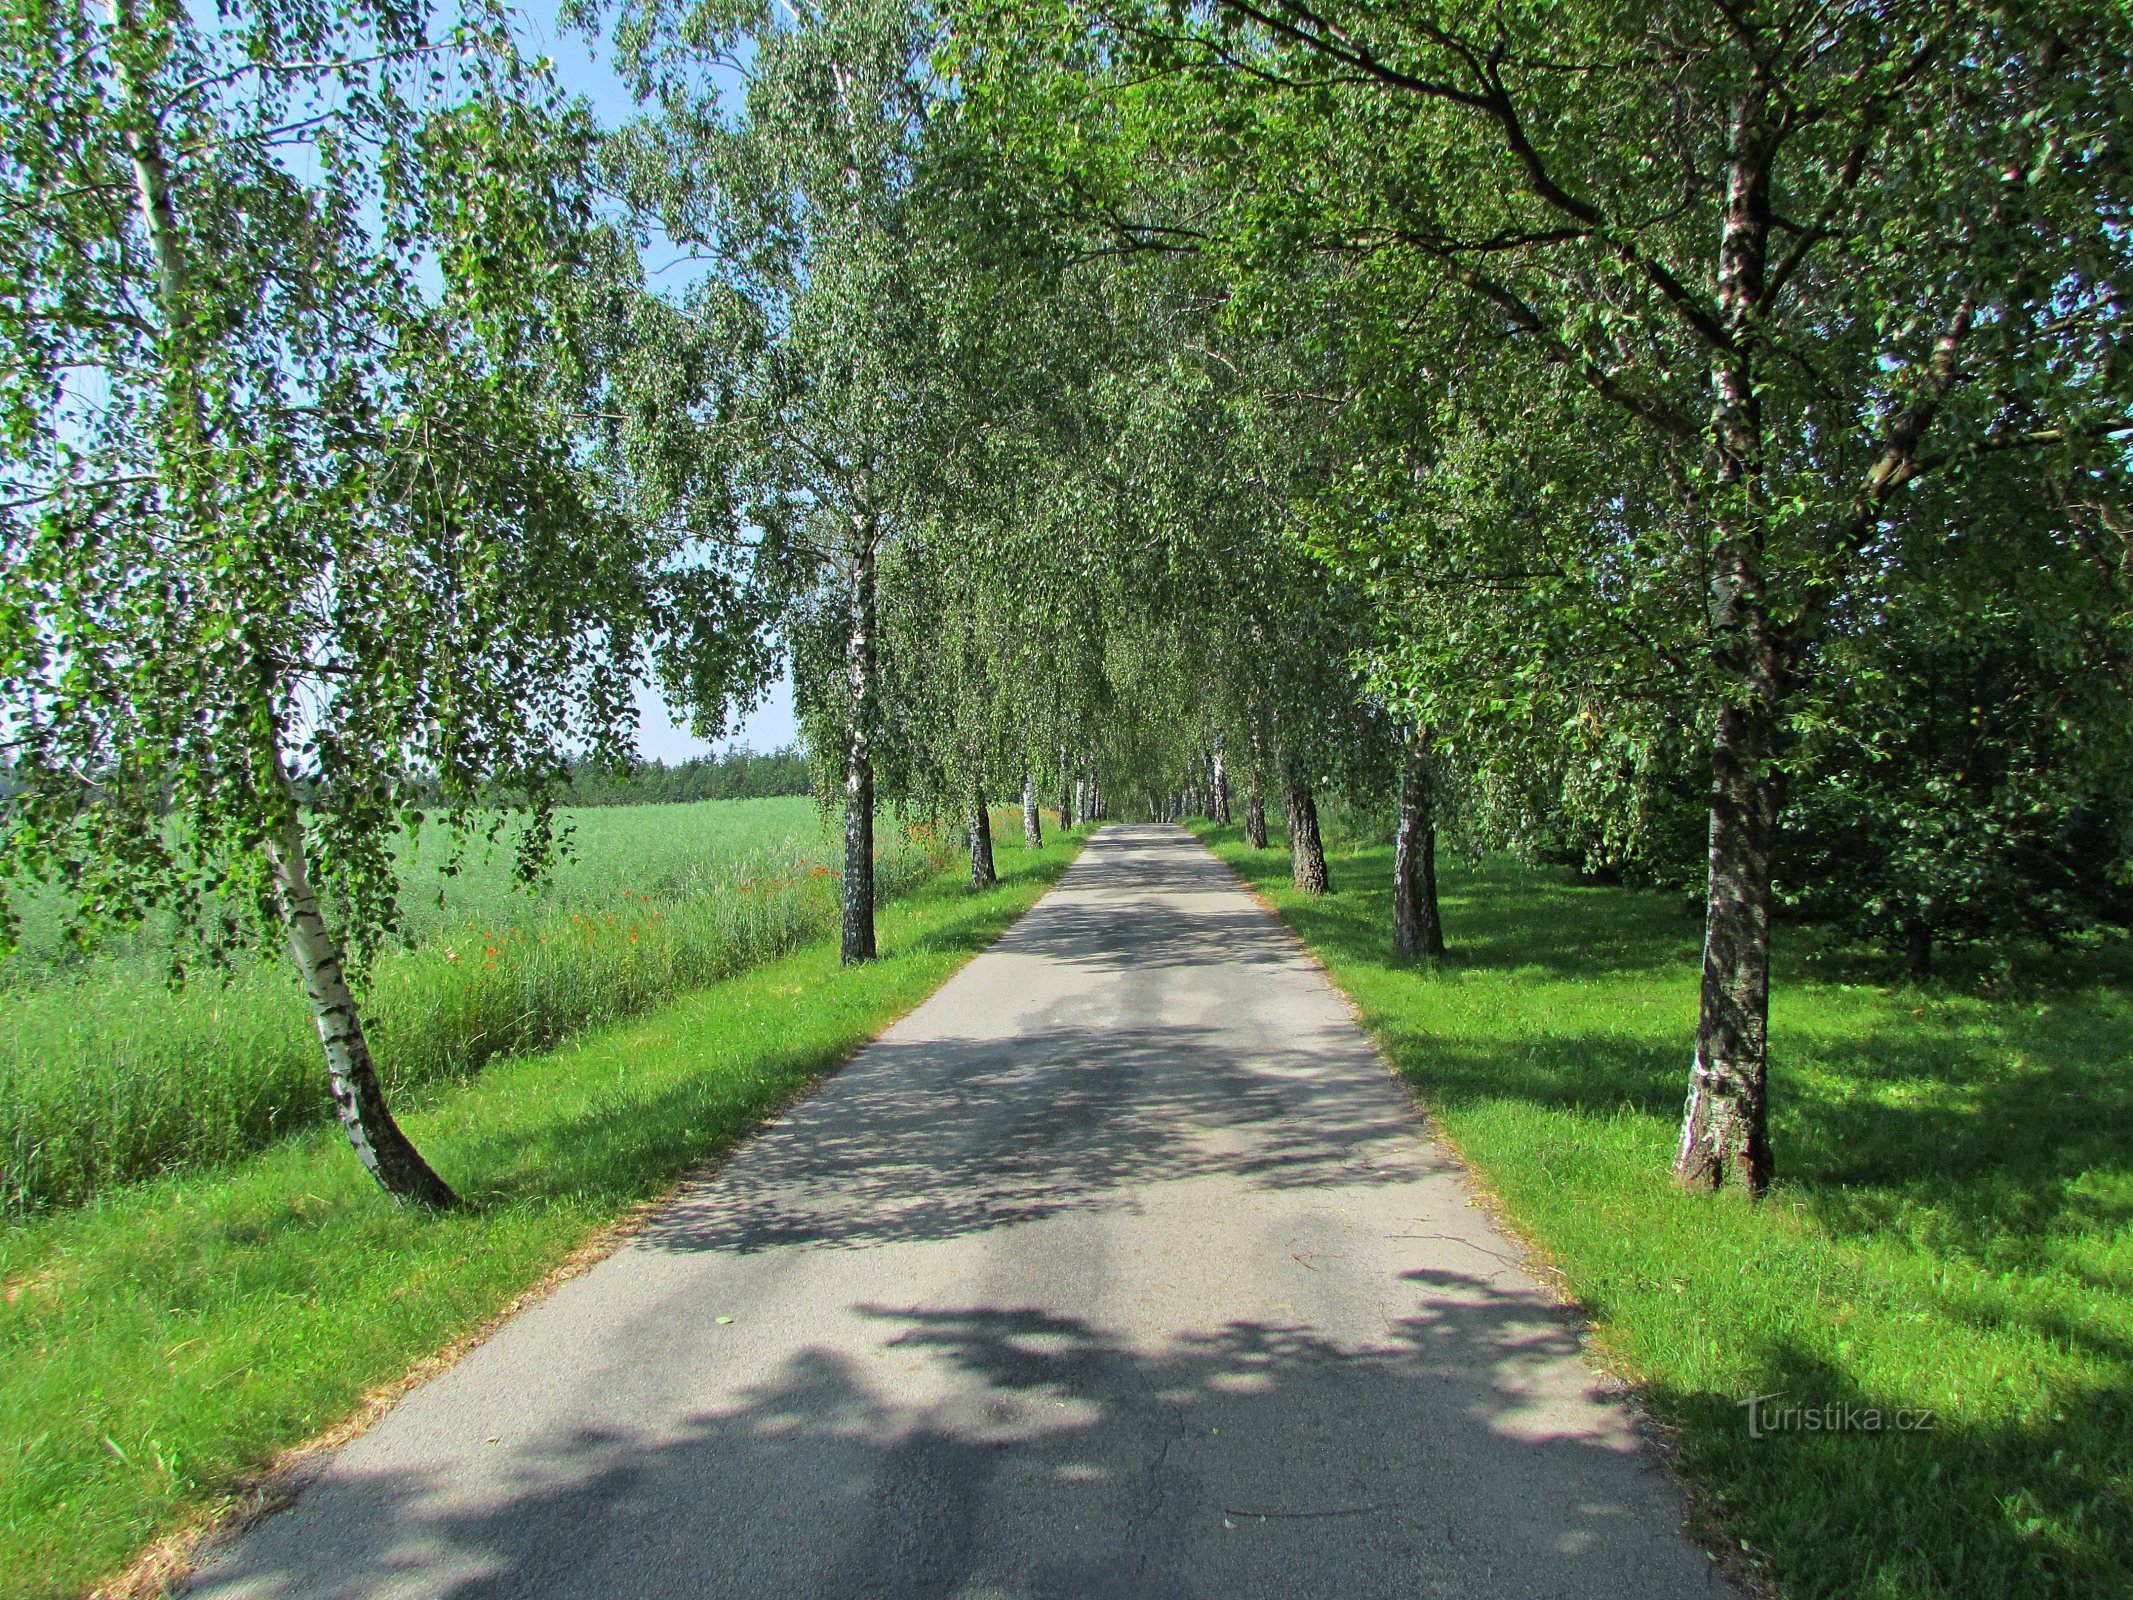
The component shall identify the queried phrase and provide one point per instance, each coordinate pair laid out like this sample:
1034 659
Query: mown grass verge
1952 1231
163 1343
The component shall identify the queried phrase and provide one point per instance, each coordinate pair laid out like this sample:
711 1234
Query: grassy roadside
165 1342
107 1077
1952 1231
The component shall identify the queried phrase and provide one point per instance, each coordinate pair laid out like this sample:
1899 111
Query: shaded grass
165 1341
107 1076
1952 1229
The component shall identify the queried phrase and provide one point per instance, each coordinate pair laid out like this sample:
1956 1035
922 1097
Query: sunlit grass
164 1340
1952 1229
107 1076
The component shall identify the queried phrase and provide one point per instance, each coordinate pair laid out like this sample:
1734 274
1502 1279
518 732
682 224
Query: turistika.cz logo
1770 1413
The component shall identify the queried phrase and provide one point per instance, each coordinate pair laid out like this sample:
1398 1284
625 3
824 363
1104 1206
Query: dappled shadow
1602 1072
1498 917
1083 1088
1017 1451
1147 896
1933 1137
1971 1158
929 1138
1992 1135
1140 897
950 1418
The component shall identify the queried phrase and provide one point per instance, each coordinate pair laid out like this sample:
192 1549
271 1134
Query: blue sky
583 68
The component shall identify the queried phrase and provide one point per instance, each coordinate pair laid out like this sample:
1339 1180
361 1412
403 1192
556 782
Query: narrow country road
1121 1267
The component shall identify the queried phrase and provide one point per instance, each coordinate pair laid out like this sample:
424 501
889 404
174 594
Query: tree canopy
1683 440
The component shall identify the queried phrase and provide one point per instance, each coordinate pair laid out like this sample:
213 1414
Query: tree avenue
1684 441
1801 265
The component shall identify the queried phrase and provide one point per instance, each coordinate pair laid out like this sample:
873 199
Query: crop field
107 1076
159 1346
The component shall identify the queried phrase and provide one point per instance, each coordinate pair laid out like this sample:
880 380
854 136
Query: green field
1952 1231
107 1077
161 1344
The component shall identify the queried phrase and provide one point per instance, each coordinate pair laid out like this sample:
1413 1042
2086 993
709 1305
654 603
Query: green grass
1952 1228
166 1340
108 1077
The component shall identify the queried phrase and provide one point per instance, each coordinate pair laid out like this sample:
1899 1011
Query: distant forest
737 774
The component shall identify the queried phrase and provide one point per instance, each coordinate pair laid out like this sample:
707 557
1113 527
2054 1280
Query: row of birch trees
1682 438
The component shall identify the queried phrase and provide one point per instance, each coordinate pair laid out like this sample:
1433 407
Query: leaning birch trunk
1417 929
1307 852
858 941
1032 822
358 1098
982 875
385 1151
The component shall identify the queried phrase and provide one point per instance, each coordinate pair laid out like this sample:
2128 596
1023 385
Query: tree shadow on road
1010 1450
932 1139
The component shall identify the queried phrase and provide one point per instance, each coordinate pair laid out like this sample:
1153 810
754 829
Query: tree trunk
1081 803
1307 853
1221 785
1066 794
1254 815
1417 930
1725 1129
387 1153
1032 821
1725 1136
858 942
982 875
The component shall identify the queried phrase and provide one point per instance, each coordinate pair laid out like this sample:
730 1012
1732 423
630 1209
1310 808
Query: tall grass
161 1345
107 1076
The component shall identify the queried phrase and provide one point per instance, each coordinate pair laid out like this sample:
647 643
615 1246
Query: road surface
1121 1267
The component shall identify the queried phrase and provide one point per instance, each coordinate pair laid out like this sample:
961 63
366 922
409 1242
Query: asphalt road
1121 1267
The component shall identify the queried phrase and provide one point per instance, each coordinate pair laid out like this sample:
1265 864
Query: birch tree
781 150
294 541
1811 256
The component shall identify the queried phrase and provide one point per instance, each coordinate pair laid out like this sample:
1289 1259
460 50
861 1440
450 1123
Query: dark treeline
735 774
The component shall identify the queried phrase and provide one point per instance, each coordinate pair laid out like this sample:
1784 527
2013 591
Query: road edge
166 1564
1702 1525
